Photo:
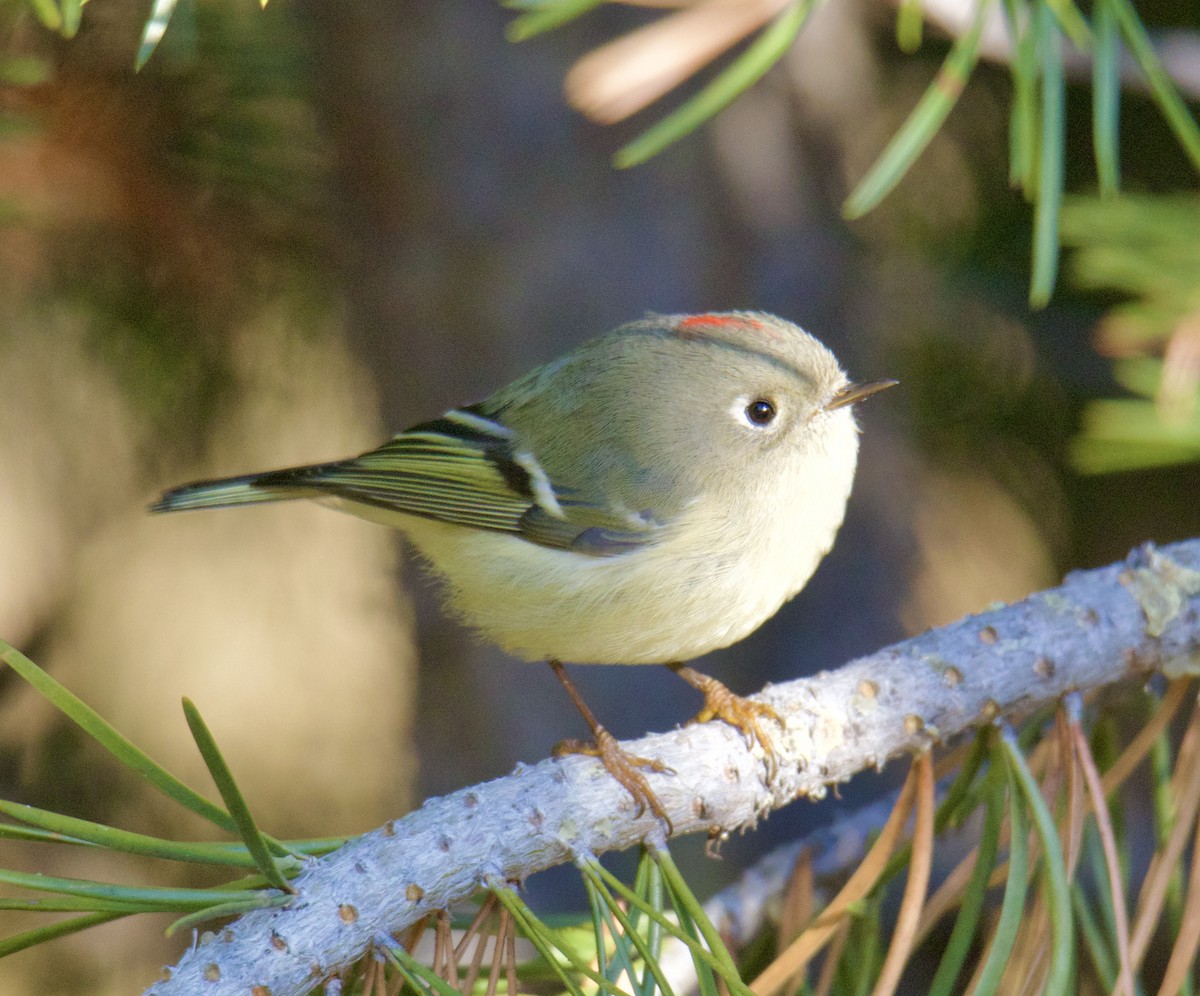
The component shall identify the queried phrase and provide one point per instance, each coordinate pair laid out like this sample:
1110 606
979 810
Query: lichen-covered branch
1100 627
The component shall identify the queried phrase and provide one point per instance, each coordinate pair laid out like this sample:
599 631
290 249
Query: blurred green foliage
1039 32
210 176
1137 432
63 17
1144 250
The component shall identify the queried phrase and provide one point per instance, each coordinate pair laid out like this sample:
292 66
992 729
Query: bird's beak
854 393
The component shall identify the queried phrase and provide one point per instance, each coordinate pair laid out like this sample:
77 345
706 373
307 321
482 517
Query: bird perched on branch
652 495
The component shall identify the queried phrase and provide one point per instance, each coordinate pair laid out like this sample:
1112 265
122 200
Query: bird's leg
721 703
622 765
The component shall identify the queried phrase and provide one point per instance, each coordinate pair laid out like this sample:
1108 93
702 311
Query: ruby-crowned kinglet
653 495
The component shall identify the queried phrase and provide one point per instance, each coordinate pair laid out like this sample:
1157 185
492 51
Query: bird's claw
741 713
626 768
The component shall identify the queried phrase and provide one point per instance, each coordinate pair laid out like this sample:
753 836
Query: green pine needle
1162 87
420 977
137 898
64 928
155 28
1106 99
90 721
559 956
910 23
1058 893
1050 178
1023 121
256 844
540 16
766 50
688 907
1012 909
922 124
965 925
56 828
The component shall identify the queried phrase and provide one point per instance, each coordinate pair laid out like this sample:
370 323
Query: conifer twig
1117 623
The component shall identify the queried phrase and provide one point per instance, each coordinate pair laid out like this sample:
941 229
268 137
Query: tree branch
1100 627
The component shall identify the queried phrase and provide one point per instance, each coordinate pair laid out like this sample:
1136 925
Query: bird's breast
710 580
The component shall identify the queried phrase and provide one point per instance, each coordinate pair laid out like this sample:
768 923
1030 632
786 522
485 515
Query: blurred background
298 229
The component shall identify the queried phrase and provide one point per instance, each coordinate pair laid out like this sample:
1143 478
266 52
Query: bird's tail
250 489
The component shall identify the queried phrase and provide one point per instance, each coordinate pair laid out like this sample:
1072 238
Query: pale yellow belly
652 606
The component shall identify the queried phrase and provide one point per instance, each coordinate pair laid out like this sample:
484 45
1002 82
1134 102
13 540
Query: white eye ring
758 412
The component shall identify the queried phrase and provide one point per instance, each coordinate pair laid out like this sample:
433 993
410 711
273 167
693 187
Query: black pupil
760 412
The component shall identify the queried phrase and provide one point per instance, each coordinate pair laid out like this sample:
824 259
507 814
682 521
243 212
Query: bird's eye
760 412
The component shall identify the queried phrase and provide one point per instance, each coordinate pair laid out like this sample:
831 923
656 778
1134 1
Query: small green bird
652 495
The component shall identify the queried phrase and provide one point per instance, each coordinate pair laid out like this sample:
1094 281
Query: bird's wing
467 469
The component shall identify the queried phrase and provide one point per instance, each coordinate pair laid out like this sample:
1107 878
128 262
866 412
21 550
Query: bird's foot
742 713
626 768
